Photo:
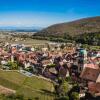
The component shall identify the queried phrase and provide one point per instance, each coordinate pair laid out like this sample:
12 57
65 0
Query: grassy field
29 86
91 47
29 41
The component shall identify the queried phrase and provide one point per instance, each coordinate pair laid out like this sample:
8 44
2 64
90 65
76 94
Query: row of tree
90 39
86 38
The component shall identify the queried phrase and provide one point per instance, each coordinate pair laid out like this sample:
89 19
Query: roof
94 87
83 51
91 65
62 72
98 79
90 74
53 70
98 87
46 62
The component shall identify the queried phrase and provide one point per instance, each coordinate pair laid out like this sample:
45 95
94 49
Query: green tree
62 46
75 96
63 98
62 87
65 88
12 65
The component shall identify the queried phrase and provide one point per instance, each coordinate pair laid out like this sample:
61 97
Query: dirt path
6 91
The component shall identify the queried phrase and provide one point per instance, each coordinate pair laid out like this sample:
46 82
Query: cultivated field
29 86
29 41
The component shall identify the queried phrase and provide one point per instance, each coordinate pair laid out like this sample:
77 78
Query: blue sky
43 13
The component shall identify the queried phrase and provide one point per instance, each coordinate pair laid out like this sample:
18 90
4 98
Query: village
57 62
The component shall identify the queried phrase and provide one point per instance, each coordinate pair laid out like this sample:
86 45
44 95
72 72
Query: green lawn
29 86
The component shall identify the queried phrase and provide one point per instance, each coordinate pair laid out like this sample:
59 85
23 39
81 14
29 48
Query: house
53 70
94 88
91 65
4 62
90 74
98 79
98 54
49 73
63 72
46 62
27 64
44 49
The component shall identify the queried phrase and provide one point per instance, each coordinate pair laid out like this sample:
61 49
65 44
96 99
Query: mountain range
20 28
74 28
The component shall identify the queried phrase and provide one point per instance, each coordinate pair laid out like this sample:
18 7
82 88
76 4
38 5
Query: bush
12 65
51 65
75 96
63 98
12 97
69 79
29 69
63 88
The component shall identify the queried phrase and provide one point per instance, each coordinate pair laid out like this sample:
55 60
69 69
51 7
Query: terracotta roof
94 87
98 79
46 62
91 65
98 87
90 74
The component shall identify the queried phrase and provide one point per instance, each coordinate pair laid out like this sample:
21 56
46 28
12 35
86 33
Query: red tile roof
90 74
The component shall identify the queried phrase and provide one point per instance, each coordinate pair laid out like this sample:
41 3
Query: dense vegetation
90 39
13 97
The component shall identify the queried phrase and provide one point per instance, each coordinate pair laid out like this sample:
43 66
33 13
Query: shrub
63 98
12 65
75 96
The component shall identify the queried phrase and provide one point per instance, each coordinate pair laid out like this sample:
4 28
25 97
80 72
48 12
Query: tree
75 96
67 36
62 46
64 88
12 65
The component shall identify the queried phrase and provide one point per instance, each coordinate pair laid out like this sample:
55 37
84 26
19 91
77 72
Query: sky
43 13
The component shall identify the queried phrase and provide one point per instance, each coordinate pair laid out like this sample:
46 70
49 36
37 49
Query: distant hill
20 29
81 26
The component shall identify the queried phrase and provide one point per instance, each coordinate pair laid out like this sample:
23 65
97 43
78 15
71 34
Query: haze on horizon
42 13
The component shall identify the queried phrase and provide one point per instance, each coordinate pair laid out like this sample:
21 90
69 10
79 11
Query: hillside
86 25
30 87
